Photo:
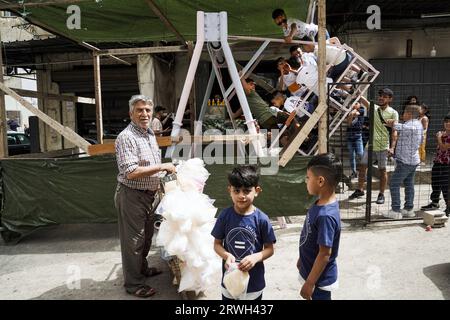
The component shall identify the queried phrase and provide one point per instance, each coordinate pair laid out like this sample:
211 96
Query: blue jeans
319 294
356 149
403 173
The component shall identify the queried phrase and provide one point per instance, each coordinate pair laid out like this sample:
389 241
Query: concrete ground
395 260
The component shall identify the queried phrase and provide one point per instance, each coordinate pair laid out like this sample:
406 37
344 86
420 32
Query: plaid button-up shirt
136 147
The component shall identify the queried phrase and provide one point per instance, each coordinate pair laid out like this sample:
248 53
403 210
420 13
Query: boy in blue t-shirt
319 239
243 233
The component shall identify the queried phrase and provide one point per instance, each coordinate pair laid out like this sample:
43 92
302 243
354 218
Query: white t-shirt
303 29
291 103
308 76
156 125
309 58
290 81
334 55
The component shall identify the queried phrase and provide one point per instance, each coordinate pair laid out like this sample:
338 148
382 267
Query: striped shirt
136 147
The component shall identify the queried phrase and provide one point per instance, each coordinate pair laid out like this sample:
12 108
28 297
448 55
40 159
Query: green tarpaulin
134 21
39 193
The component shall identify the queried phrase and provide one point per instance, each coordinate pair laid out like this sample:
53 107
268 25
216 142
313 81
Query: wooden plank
109 147
289 151
95 49
98 99
66 132
323 122
143 50
50 96
165 20
166 141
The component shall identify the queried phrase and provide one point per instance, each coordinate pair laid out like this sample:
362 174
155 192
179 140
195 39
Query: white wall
392 44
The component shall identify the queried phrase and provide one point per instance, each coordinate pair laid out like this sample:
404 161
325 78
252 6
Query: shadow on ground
439 274
68 238
112 287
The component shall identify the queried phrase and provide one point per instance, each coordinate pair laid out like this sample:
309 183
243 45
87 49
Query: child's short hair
244 176
277 12
414 109
294 48
327 166
447 117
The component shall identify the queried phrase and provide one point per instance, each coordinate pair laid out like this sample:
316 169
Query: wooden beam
323 122
57 33
108 148
164 19
98 99
3 124
166 141
66 132
143 50
95 49
50 96
289 151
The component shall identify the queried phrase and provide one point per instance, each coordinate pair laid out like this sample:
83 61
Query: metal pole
369 163
98 99
237 81
249 65
199 123
178 122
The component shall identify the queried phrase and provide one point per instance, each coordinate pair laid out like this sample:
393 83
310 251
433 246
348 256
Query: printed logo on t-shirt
241 242
305 232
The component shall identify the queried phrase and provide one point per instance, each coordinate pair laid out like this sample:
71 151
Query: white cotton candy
165 234
186 229
178 245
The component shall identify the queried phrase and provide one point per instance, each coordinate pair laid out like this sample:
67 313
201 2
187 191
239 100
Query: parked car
18 143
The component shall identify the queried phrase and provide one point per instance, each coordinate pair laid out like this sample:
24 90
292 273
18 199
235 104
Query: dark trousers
319 294
228 299
136 220
440 182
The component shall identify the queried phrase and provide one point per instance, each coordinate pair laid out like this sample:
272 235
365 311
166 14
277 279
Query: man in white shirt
295 27
288 78
299 58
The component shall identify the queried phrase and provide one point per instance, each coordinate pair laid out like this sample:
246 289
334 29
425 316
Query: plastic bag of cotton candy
186 228
236 281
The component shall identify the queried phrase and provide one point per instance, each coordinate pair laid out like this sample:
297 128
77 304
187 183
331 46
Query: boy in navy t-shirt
243 233
319 239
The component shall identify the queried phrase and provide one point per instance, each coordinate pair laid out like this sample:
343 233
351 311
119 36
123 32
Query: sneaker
353 175
380 199
358 193
431 206
391 214
408 213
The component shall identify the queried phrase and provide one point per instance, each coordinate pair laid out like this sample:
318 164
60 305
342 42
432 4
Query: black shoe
358 193
354 175
380 199
431 206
